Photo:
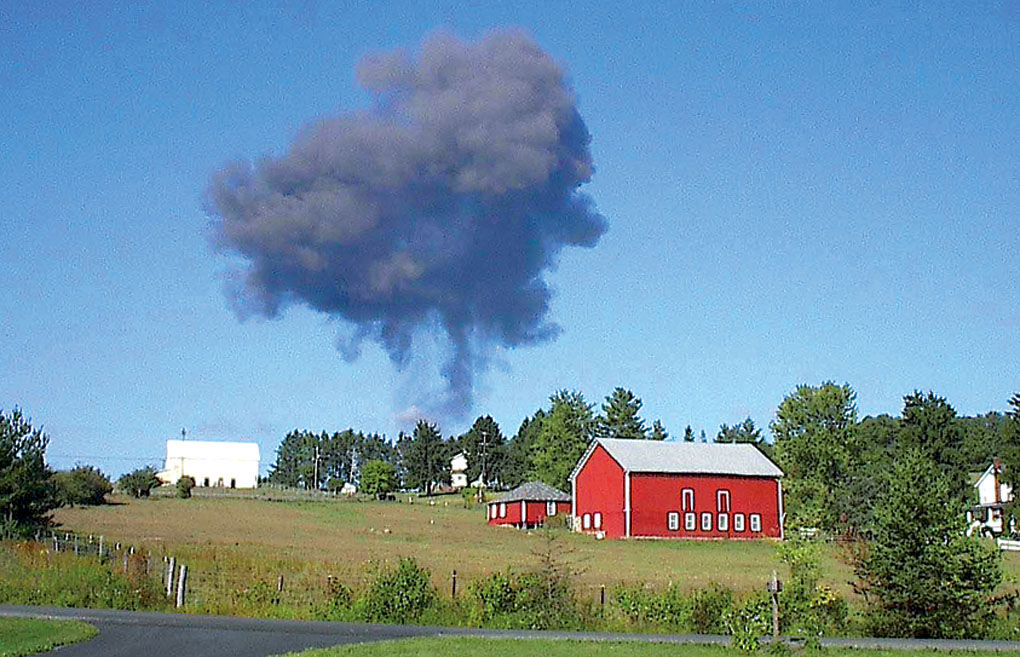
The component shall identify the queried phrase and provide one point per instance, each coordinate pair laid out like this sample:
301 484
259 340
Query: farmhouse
528 505
653 489
458 471
993 496
212 463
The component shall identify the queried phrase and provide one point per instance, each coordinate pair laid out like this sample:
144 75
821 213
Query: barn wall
600 489
653 496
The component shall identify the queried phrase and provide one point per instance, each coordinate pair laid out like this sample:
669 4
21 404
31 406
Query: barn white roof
212 450
740 459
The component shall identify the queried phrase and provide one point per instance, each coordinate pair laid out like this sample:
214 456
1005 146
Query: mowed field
237 540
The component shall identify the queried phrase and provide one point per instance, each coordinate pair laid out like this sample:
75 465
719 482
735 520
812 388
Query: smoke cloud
438 209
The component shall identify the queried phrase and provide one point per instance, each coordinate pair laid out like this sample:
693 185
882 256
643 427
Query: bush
82 485
184 486
670 609
808 608
398 595
749 622
709 608
139 483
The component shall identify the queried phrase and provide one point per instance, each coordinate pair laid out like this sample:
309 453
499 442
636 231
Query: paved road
147 634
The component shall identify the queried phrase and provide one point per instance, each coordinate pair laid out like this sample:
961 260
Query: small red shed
666 489
528 505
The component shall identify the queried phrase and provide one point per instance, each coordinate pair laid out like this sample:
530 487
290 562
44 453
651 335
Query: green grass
27 636
445 647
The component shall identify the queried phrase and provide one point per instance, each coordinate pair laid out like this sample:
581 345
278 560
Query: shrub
139 483
808 608
709 608
749 622
82 485
398 595
522 601
184 486
669 608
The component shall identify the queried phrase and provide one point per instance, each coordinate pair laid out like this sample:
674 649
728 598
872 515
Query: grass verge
28 636
443 647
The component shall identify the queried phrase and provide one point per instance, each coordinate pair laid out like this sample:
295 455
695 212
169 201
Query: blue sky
795 193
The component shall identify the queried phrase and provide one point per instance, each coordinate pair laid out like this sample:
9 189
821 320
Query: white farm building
212 463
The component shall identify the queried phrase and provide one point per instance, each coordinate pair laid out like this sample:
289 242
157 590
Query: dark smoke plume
443 204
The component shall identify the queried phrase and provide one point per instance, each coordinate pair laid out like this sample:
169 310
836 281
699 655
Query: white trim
573 498
690 521
524 512
586 521
722 522
739 525
755 519
550 509
683 499
673 521
782 514
502 509
596 520
719 493
626 503
706 515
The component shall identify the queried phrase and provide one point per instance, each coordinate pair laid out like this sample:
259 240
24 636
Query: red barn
528 505
646 488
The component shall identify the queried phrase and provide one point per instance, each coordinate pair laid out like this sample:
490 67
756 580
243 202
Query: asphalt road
147 634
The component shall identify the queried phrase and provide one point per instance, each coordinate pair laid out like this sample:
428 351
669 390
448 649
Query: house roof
674 457
535 491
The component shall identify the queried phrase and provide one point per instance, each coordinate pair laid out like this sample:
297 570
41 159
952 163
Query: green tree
816 446
921 575
658 431
484 446
139 483
688 434
563 438
295 461
1011 450
620 417
703 438
82 485
745 432
517 463
929 423
425 458
184 486
26 490
378 478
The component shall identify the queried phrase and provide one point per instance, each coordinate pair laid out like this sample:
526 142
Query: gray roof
535 491
741 459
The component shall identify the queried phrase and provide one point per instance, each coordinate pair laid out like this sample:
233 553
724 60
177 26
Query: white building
212 463
458 471
993 495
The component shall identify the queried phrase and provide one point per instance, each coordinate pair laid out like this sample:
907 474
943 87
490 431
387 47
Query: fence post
279 583
56 543
453 590
602 596
100 546
171 565
181 583
75 545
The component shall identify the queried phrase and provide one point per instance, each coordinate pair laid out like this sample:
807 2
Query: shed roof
535 491
739 459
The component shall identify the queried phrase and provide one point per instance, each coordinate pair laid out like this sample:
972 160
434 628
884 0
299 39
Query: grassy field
230 543
535 648
28 636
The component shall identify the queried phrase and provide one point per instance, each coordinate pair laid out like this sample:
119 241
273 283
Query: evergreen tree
517 464
658 431
745 432
295 461
929 423
562 439
922 576
26 491
426 458
620 418
816 446
484 446
688 434
703 437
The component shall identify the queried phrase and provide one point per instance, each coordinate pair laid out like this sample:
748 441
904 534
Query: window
586 521
550 508
756 522
233 483
690 522
687 499
598 521
738 522
673 521
706 522
723 522
502 509
205 482
722 501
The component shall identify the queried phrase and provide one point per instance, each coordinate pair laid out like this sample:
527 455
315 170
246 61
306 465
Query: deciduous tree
26 491
378 478
563 438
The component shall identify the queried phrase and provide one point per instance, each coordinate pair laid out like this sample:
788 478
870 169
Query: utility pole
484 445
315 467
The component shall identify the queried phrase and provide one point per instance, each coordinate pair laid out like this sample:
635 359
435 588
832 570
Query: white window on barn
502 509
598 520
738 522
722 501
550 508
706 522
687 499
756 522
492 511
722 522
586 521
690 521
673 521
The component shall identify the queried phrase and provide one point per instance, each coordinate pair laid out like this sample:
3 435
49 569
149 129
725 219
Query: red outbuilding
666 489
528 505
